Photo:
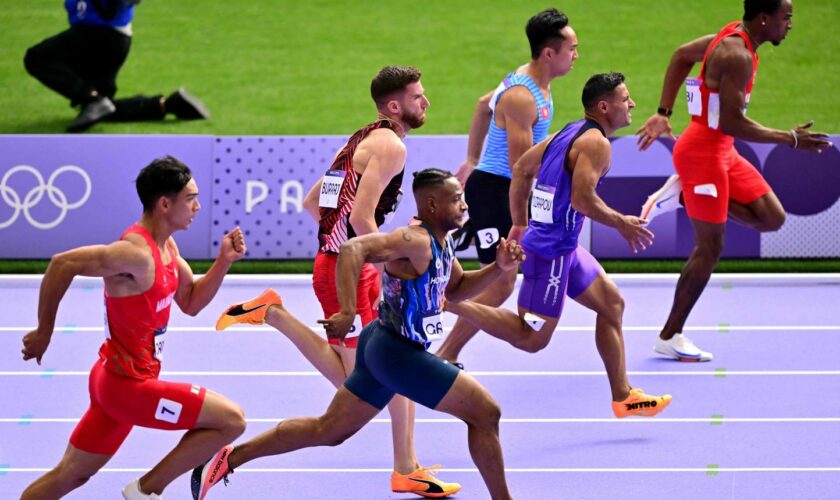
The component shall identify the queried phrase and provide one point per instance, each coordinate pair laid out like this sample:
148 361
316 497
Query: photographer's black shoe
91 113
186 106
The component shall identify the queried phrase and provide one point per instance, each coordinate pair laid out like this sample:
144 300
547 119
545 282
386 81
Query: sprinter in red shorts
143 275
714 181
354 197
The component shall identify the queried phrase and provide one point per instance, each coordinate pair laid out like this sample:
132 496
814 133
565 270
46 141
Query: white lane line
477 373
554 470
239 280
577 420
586 329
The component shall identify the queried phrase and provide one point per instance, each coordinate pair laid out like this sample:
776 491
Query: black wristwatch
664 112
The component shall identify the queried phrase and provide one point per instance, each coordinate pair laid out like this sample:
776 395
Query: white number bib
330 188
356 329
433 326
542 201
390 215
160 340
693 96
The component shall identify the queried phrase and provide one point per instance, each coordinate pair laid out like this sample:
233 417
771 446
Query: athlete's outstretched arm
475 142
737 69
410 243
120 257
463 285
590 163
523 173
194 294
682 61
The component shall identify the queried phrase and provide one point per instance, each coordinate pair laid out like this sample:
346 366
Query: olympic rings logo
36 194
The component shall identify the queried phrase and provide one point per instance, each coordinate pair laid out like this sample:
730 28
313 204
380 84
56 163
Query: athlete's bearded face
413 105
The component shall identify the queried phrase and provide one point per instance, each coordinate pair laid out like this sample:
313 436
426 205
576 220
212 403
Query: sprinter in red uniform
143 275
716 182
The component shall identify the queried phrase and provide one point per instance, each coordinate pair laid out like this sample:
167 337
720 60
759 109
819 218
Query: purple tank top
555 226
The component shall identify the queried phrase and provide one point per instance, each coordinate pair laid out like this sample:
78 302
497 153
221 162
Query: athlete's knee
329 433
232 421
531 341
72 477
710 246
614 309
773 222
488 414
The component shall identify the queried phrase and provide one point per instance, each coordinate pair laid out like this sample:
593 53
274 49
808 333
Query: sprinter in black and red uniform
354 197
143 275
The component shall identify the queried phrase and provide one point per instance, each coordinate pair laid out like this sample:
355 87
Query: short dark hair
391 79
544 28
753 8
429 177
165 176
599 86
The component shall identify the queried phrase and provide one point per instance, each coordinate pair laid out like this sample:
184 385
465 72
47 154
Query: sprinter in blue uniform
392 356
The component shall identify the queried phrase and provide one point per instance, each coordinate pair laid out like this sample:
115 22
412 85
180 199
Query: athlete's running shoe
423 482
132 492
211 473
251 312
666 199
681 348
639 404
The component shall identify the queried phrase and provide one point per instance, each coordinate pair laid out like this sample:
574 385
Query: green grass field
275 67
292 67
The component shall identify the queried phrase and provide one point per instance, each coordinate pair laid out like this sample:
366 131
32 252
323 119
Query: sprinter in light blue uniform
514 117
567 168
495 159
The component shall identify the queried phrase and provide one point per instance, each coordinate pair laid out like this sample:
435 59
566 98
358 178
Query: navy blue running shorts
388 363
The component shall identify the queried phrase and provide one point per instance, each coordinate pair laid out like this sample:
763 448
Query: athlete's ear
602 106
393 107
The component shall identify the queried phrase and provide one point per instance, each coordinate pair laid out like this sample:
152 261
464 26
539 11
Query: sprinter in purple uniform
567 167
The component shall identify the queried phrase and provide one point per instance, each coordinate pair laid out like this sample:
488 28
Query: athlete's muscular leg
314 348
603 297
219 423
464 330
344 417
402 421
708 245
471 402
75 469
765 214
505 325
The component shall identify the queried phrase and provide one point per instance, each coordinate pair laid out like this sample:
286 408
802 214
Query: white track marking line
576 420
477 373
703 470
586 329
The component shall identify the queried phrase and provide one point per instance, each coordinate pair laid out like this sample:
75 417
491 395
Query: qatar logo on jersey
545 112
